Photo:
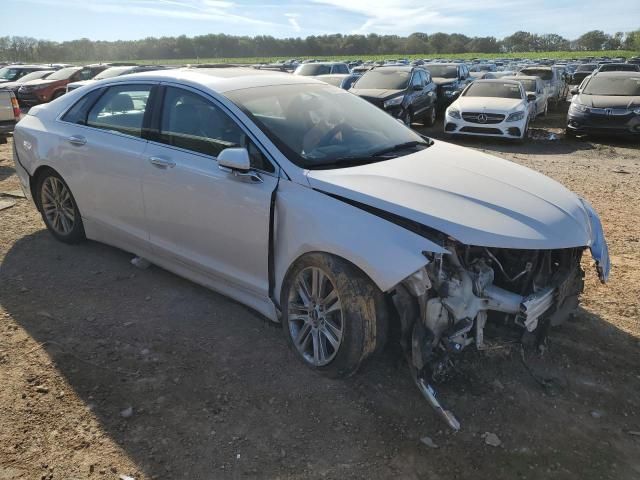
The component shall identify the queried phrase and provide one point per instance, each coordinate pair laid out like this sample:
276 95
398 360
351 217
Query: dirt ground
108 370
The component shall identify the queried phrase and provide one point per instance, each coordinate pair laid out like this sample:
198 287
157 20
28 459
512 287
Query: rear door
102 144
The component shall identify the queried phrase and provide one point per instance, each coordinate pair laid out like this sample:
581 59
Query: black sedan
609 103
407 93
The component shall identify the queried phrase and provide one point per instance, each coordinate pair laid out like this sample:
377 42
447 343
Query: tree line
27 49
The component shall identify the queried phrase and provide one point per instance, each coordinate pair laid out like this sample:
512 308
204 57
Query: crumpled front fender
598 246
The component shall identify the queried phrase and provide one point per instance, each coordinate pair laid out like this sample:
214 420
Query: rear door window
121 109
78 113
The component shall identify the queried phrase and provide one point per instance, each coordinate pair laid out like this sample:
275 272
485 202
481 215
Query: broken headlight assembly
445 307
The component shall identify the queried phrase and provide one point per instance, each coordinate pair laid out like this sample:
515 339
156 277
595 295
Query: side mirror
531 97
418 87
574 91
234 159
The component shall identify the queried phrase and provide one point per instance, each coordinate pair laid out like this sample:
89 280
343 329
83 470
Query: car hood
475 198
375 92
609 101
39 82
479 104
11 85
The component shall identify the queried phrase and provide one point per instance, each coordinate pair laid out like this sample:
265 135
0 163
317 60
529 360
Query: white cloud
293 21
218 10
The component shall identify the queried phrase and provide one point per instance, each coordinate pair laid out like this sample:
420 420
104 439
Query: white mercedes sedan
313 207
494 108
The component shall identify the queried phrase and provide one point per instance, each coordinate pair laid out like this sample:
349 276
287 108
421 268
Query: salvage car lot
215 393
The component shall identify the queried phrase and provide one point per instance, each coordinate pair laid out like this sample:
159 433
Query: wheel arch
311 221
33 181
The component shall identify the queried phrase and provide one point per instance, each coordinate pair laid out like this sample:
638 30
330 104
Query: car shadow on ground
215 393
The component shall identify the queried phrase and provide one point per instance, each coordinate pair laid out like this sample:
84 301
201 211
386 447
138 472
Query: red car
44 90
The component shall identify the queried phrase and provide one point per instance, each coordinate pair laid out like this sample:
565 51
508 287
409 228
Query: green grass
465 56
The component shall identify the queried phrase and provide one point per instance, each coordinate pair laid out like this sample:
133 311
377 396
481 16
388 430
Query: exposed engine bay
445 307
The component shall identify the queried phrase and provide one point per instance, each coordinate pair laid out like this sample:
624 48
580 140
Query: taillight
16 107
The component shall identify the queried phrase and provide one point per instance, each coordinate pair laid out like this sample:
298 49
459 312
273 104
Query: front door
202 217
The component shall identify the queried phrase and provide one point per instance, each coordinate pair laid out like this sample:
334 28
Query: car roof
626 74
521 77
496 80
223 79
19 65
404 68
334 75
323 63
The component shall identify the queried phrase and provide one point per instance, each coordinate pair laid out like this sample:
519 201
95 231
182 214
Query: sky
61 20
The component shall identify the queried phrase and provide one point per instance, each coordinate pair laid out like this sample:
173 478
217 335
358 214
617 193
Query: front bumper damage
445 307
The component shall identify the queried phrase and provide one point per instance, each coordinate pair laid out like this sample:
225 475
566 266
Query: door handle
78 140
160 162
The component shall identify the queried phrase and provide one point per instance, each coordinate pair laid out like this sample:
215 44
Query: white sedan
313 207
495 108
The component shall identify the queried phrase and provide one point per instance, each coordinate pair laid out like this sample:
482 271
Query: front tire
58 208
333 316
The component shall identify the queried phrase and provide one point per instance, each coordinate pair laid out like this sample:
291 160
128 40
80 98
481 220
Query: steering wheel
327 137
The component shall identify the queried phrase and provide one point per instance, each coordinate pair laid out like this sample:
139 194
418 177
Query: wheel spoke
315 283
69 213
316 346
298 317
334 341
302 340
334 329
322 348
64 222
303 290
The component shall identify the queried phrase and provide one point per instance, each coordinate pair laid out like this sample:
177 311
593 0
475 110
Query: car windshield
385 78
8 73
589 67
617 86
493 89
543 73
312 69
112 72
443 71
35 75
320 127
529 85
64 74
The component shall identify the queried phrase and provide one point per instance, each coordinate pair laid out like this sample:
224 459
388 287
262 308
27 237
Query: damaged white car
313 207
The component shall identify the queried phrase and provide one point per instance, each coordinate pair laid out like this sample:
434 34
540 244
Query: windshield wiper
343 162
401 146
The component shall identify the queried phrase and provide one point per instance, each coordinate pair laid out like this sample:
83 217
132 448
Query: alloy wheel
315 316
57 205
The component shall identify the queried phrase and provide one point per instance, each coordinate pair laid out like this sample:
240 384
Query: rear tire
58 208
333 315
